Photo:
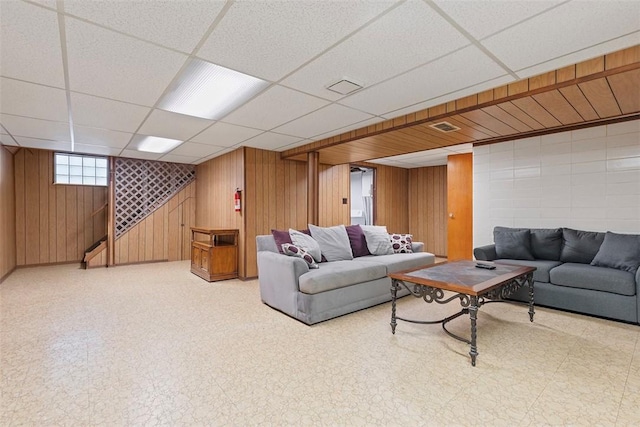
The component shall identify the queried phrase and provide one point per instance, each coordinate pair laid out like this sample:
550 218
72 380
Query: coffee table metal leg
473 314
394 292
531 309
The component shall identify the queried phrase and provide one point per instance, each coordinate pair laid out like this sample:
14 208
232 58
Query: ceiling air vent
344 87
444 127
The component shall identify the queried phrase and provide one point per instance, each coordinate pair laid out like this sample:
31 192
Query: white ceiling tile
176 24
47 3
108 64
582 55
408 36
173 158
271 39
483 18
30 47
295 144
225 135
357 125
270 141
35 128
173 125
489 84
95 149
429 81
195 150
32 100
324 120
43 144
7 140
218 154
105 113
101 137
275 106
135 154
546 36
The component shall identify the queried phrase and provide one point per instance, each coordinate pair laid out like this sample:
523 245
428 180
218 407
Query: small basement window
80 170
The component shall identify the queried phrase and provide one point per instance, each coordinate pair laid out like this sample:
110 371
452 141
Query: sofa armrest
417 246
278 279
485 253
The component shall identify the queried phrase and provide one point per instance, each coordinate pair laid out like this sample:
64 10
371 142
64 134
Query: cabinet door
204 260
195 256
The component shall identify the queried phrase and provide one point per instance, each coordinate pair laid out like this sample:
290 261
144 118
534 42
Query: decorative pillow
580 246
293 250
333 242
546 243
377 238
620 251
281 237
306 242
401 243
512 244
357 241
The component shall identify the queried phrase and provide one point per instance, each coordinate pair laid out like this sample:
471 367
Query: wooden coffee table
472 286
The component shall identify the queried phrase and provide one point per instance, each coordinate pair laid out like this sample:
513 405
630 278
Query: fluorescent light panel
209 91
155 144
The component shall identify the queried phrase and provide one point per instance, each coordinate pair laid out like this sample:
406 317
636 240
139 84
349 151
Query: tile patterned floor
156 345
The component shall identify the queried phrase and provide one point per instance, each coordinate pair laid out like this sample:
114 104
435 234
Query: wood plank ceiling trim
594 92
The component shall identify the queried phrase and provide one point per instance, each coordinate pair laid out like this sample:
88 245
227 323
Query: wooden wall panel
7 214
217 180
334 183
428 208
162 236
54 223
391 198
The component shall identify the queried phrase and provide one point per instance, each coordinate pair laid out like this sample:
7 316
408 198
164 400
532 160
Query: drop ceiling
88 76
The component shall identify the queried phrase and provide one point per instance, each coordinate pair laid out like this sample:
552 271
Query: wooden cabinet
214 253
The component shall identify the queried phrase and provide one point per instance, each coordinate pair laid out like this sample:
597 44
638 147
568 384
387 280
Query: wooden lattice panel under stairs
142 186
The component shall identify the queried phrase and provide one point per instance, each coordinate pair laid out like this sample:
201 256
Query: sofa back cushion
512 243
377 238
333 241
580 246
306 242
545 243
621 251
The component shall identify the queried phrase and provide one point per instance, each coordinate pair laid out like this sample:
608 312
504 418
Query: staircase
96 255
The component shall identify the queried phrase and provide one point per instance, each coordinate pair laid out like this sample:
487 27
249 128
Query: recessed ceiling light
155 144
344 87
209 91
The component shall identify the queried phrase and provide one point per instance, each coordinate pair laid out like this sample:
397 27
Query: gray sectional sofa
313 295
586 272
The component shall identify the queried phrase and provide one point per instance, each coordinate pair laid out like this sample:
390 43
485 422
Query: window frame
87 171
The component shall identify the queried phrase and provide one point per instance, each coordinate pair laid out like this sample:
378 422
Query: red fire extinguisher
236 200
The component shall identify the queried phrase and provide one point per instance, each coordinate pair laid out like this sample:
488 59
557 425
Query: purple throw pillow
357 241
281 237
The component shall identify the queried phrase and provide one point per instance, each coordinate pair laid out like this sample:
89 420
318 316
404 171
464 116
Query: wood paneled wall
217 179
428 207
162 236
7 214
392 198
334 186
54 223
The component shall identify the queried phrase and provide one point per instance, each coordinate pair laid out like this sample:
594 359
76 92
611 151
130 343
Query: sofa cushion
292 250
333 242
377 239
580 246
401 243
338 274
546 243
621 251
307 243
577 275
543 267
282 236
399 262
512 244
357 240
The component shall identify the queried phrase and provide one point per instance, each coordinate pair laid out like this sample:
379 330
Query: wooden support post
111 214
313 187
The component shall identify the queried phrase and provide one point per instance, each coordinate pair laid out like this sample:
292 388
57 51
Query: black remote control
485 266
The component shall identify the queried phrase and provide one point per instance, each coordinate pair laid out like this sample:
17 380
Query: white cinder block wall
588 179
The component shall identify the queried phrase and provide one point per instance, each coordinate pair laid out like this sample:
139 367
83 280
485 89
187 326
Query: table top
463 276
